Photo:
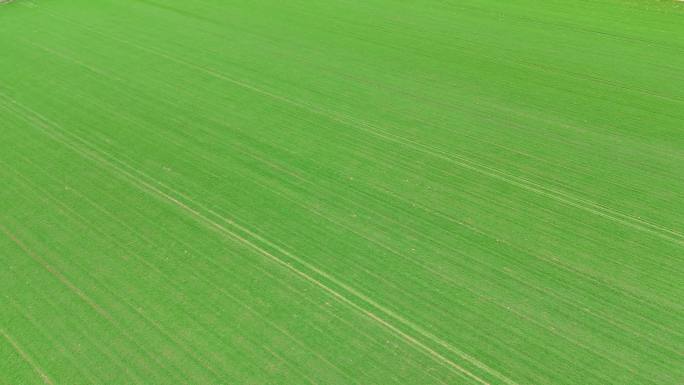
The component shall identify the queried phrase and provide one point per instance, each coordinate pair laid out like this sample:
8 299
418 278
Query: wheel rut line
445 277
154 267
432 212
223 290
459 160
25 356
59 134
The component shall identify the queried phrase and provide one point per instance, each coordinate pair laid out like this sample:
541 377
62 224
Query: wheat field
341 192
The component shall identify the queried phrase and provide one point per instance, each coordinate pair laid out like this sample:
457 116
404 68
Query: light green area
341 192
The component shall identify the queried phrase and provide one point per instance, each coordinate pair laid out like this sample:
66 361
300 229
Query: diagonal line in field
315 276
558 195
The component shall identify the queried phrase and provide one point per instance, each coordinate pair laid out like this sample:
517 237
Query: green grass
341 192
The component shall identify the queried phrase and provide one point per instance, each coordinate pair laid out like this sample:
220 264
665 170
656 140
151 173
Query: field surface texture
341 192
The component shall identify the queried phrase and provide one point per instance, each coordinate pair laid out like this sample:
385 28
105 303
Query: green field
342 192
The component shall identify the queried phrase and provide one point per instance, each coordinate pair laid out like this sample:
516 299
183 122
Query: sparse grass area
341 192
